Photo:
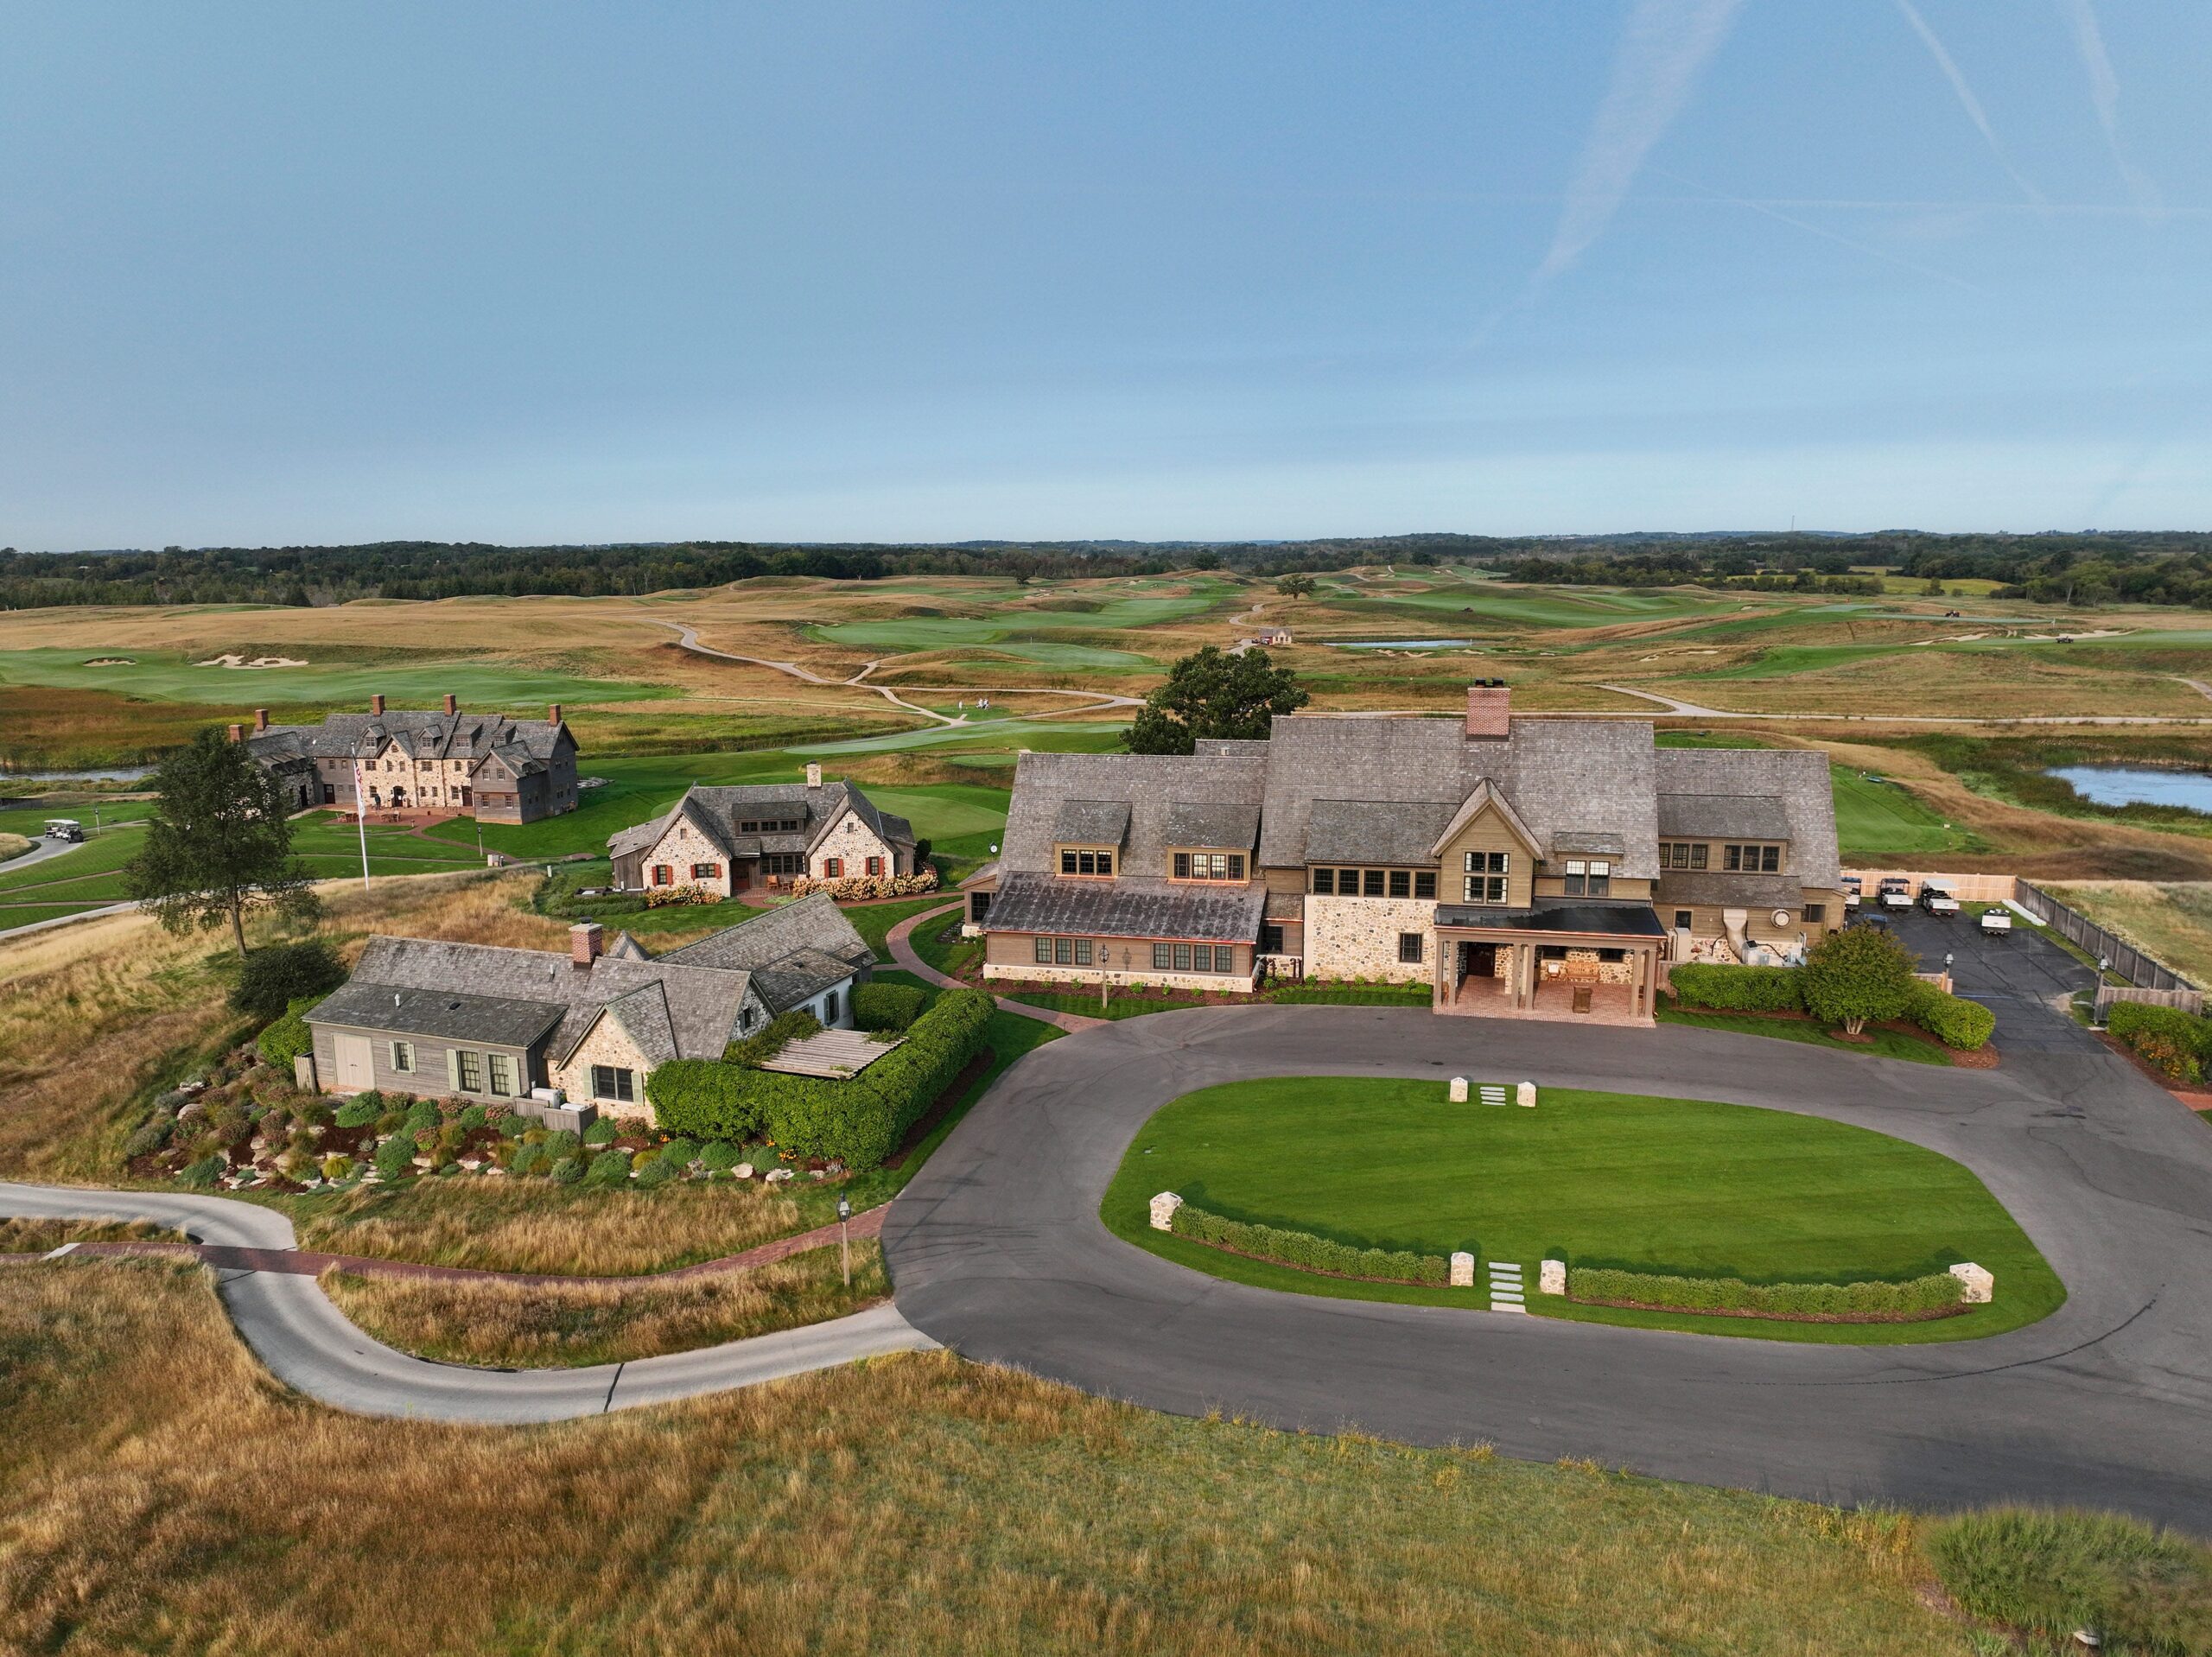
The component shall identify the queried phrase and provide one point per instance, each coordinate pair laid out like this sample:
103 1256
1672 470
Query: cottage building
732 840
1520 866
411 763
475 1021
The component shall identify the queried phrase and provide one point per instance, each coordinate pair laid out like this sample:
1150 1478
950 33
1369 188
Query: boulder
1163 1210
1462 1271
1458 1089
743 1170
1551 1276
1980 1285
1526 1094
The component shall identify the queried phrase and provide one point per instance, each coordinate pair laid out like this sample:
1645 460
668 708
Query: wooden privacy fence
2130 963
1966 888
2190 1002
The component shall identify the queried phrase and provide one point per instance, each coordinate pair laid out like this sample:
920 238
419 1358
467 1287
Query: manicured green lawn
165 676
1671 1185
1883 1043
1875 820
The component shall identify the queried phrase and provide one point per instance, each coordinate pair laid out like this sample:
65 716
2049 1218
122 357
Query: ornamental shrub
562 1142
423 1113
857 1120
658 1172
720 1156
1310 1253
2053 1571
1858 975
1737 989
276 975
568 1170
288 1037
206 1172
360 1111
888 1007
2170 1040
608 1168
1952 1019
337 1166
681 1152
395 1157
527 1159
1934 1293
149 1136
473 1116
602 1132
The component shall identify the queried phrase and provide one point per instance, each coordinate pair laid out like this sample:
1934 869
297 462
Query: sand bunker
112 661
237 660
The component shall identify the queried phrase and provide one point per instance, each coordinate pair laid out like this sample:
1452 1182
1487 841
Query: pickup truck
1896 893
1996 922
1852 890
1937 900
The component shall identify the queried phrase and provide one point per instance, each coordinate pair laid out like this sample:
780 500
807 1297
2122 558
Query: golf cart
1897 893
1936 900
1854 889
67 828
1996 922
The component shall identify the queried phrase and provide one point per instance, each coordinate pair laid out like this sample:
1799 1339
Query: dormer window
1096 862
1208 865
1588 878
1751 860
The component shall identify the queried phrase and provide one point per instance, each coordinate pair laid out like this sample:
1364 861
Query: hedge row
1308 1252
2173 1042
289 1037
1352 995
1938 1292
857 1120
889 1006
1737 989
1952 1019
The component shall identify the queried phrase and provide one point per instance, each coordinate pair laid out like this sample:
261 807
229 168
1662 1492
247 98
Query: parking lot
2022 977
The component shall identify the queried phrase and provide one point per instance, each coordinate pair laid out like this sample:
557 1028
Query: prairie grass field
914 1504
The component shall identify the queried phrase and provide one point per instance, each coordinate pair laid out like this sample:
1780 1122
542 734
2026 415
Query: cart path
900 940
1695 710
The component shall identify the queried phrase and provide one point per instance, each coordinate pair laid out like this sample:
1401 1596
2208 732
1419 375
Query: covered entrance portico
1594 961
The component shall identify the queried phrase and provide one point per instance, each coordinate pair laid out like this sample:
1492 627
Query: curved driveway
309 1344
998 1251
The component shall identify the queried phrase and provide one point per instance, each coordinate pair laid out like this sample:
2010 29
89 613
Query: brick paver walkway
899 939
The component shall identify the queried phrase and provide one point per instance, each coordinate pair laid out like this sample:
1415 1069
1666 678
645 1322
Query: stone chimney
376 704
584 938
452 707
1490 710
813 776
238 733
553 713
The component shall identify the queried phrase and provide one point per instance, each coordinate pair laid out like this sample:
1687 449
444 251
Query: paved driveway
2022 977
998 1251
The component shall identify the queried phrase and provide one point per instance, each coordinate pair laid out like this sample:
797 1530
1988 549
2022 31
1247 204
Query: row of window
1814 915
1751 860
833 869
1093 862
1375 883
1588 877
1099 862
787 826
1166 957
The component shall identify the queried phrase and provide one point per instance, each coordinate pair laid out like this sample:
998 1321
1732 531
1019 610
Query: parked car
1897 893
1853 888
1936 900
67 828
1996 922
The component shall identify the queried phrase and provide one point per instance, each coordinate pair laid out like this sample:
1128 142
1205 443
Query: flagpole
361 820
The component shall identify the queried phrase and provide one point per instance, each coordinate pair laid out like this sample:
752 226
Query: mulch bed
940 1109
2195 1098
1783 1317
1983 1058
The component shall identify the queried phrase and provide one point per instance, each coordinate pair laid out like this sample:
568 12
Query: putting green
1669 1185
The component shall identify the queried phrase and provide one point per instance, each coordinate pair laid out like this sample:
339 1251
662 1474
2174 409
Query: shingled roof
523 746
717 812
1145 785
1031 901
1796 779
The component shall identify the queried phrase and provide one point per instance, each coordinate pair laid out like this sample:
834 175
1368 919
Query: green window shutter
452 1068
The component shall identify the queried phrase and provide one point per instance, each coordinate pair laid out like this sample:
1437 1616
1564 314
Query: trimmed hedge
857 1120
1309 1252
1352 995
1952 1019
765 1043
1738 989
289 1037
2172 1042
889 1006
1917 1296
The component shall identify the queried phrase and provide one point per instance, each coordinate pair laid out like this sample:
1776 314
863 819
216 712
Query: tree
1295 586
1856 975
217 844
1213 694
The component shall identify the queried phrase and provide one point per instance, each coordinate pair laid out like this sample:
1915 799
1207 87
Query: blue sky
901 272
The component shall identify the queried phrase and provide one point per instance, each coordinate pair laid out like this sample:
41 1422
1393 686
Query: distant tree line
2152 567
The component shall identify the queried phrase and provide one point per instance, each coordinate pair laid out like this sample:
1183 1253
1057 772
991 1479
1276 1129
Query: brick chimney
1490 710
584 939
813 776
376 704
553 713
238 733
260 721
452 707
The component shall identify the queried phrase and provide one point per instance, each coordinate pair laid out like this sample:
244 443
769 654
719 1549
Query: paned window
783 863
613 1081
1752 860
1682 918
1815 914
1487 873
706 871
1208 865
1325 882
833 869
1270 938
1682 854
1409 946
503 1075
1044 952
1424 883
664 874
875 866
1588 878
402 1056
470 1067
1163 957
1372 883
1402 883
1092 861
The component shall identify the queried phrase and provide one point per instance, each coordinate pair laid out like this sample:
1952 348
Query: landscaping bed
1894 1039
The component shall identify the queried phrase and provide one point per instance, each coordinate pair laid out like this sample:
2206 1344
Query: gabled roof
1796 779
717 812
1374 831
450 1013
524 744
1143 785
812 923
1094 822
1723 816
1208 825
1484 798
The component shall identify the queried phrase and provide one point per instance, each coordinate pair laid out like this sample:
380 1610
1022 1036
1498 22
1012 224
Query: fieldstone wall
680 847
852 841
1358 937
607 1043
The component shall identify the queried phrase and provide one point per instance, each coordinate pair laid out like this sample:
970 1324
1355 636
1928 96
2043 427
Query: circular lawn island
1679 1187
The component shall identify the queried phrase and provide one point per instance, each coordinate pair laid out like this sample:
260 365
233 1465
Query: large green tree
1856 975
1213 694
217 844
1296 585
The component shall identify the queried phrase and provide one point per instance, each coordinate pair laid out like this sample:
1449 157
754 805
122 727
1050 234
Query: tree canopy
1214 693
1856 975
218 843
1296 585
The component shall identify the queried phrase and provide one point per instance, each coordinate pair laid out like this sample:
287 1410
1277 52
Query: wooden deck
834 1054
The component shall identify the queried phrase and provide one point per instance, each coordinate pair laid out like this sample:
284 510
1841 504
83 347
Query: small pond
106 773
1400 644
2138 785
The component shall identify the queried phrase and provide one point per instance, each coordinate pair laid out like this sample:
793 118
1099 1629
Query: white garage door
356 1068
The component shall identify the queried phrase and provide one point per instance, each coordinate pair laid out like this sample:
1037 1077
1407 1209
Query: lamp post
844 1236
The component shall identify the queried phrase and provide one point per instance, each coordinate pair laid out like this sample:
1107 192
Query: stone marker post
1458 1089
1526 1094
1551 1276
1462 1271
1980 1285
1163 1210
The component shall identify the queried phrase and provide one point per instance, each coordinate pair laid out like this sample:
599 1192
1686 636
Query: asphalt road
309 1344
2021 976
998 1251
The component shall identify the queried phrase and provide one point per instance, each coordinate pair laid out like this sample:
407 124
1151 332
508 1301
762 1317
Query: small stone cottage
725 840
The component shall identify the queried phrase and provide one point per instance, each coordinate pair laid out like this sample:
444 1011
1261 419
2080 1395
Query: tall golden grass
158 1491
37 1236
505 1325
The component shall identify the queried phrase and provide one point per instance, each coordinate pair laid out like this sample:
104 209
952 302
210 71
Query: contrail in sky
1966 99
2104 93
1666 44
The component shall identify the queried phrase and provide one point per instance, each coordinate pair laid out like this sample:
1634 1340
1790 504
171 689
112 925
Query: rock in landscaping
778 1175
743 1170
1551 1276
1462 1271
1163 1210
1527 1094
1980 1285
